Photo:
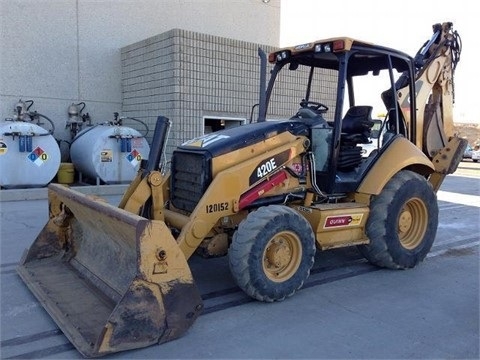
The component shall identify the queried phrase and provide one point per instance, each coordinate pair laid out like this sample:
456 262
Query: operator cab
344 82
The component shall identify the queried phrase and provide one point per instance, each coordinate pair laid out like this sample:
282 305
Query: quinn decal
38 156
269 165
343 221
134 157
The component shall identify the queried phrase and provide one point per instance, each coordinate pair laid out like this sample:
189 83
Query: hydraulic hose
52 130
147 130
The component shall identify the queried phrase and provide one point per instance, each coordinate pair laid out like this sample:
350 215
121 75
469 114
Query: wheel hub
405 221
278 254
282 256
412 223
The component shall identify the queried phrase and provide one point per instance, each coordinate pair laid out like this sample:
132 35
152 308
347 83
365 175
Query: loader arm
146 193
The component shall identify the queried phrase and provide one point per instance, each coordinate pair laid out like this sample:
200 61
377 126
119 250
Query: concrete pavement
348 309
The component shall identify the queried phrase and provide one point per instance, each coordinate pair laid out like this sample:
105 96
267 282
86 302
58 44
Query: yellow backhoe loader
267 194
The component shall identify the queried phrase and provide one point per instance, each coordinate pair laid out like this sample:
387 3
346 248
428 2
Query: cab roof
324 53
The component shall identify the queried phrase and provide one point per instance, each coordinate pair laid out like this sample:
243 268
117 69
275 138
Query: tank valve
76 119
21 112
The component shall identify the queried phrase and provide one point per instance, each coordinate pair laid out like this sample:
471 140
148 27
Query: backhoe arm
435 64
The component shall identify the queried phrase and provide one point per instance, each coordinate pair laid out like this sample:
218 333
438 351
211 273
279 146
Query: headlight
323 48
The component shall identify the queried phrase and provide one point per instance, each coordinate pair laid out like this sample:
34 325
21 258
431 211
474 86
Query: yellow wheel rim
282 256
412 223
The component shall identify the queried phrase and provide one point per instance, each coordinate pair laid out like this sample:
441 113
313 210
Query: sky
403 25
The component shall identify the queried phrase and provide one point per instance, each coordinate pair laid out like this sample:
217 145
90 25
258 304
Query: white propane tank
29 155
111 153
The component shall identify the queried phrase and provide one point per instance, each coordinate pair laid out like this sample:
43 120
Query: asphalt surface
348 309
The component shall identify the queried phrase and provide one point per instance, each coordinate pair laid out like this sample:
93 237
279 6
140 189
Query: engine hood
225 141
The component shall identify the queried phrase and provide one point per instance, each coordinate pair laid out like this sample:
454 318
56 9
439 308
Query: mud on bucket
66 173
111 280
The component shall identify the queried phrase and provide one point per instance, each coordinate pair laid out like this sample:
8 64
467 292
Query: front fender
399 154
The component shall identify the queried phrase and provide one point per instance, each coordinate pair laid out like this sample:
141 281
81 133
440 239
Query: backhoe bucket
111 280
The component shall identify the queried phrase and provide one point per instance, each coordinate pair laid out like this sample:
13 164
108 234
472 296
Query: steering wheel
315 106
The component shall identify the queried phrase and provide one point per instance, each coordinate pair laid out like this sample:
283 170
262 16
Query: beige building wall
58 52
191 78
196 80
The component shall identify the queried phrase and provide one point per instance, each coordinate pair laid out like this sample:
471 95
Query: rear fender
399 154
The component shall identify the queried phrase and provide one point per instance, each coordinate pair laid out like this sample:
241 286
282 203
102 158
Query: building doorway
213 124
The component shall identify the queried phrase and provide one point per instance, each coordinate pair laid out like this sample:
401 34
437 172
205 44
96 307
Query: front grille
189 180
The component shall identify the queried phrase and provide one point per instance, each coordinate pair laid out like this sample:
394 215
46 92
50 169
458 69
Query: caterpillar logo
205 140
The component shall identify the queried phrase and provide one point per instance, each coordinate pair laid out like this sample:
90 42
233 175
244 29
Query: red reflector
271 57
338 45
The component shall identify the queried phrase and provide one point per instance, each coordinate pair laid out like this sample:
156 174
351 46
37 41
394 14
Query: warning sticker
137 142
343 220
106 155
134 157
3 148
38 156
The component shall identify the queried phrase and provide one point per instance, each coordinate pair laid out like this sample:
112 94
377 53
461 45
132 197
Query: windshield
291 88
367 82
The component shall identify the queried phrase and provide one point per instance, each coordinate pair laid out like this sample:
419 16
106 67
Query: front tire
272 253
403 222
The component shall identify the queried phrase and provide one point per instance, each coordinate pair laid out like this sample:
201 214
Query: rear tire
403 222
272 253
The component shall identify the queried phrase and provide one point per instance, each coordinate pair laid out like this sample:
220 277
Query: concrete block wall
187 76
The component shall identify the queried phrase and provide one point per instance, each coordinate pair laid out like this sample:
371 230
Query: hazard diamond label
134 157
38 156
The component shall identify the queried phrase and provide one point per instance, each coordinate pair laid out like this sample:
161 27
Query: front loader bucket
111 280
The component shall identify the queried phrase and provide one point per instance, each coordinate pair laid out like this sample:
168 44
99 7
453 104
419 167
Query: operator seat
357 124
356 127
